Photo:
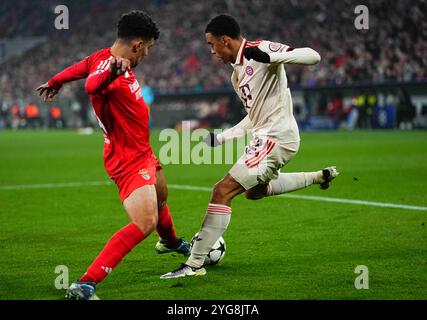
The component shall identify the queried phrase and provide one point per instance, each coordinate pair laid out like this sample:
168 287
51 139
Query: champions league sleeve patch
274 46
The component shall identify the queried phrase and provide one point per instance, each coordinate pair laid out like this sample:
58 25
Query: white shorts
261 162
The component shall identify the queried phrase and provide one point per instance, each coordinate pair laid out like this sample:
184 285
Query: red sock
120 244
165 227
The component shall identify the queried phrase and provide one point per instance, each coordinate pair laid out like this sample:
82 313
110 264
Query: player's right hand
211 140
47 92
119 66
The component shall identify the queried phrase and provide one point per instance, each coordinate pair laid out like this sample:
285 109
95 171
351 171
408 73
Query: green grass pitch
277 248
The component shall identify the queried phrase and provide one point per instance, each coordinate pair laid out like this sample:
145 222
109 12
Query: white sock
216 222
288 182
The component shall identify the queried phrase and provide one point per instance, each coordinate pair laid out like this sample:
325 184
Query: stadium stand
393 49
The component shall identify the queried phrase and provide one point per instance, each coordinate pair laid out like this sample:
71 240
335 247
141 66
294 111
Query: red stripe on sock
218 209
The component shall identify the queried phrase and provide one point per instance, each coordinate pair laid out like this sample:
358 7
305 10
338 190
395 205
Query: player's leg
168 242
272 182
141 207
215 223
216 220
289 182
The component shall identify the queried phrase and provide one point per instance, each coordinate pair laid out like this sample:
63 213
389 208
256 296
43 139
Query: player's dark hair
137 24
224 25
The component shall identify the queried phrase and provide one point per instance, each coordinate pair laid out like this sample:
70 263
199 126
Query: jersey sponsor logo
274 46
249 70
138 95
144 174
134 86
246 96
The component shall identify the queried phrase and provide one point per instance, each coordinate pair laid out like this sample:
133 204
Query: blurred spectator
335 109
363 120
405 110
148 96
32 116
55 117
16 116
393 49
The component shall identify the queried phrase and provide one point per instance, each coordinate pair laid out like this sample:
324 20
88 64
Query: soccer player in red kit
129 160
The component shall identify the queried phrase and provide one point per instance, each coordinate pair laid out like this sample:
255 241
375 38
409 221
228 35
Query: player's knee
253 195
147 223
256 193
152 221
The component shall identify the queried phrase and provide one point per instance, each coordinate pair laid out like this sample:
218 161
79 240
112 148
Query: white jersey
263 89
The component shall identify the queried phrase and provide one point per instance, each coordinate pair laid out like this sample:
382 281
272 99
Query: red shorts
134 179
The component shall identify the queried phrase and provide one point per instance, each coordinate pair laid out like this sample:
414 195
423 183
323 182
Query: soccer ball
216 254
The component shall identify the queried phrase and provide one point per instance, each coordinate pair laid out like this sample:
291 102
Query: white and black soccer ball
216 254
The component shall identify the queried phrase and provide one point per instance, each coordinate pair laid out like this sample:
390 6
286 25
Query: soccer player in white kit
259 78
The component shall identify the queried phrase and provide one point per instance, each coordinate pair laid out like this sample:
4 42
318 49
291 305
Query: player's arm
306 56
50 89
287 55
238 131
100 79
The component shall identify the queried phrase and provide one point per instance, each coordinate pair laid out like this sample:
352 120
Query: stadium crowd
394 48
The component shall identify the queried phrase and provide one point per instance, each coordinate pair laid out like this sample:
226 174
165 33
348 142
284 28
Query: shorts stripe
250 158
261 155
254 162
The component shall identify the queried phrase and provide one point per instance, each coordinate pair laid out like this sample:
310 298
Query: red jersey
121 111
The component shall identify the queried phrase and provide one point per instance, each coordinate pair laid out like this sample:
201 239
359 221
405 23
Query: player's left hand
47 92
256 54
211 140
119 66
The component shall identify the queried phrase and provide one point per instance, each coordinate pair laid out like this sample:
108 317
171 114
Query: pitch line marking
208 189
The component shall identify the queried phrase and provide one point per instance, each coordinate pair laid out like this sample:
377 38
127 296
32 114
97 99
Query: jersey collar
240 54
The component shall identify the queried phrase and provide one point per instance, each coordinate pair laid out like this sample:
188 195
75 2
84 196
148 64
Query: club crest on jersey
144 174
249 70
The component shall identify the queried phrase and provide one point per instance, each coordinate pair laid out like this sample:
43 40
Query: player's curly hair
224 25
137 24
